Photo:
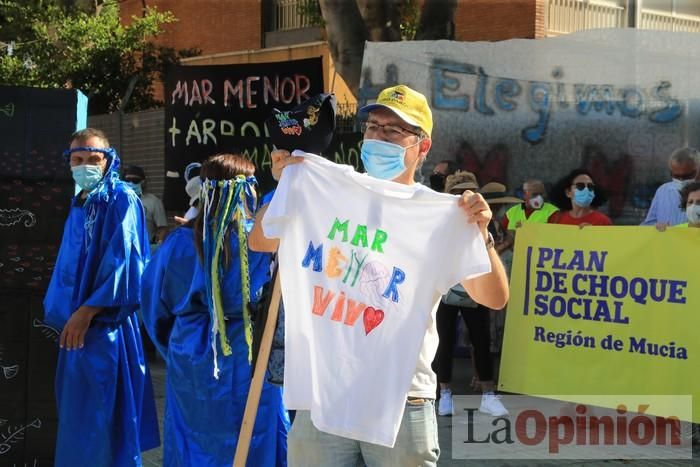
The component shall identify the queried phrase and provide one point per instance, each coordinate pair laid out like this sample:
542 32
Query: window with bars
295 14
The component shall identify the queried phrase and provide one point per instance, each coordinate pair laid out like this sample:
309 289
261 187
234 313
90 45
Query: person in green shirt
533 209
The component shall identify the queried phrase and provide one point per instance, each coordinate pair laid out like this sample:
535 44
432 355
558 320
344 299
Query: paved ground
462 375
154 457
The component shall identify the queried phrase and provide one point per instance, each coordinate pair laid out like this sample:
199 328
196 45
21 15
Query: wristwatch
490 242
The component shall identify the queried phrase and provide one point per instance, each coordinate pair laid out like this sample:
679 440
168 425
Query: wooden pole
251 406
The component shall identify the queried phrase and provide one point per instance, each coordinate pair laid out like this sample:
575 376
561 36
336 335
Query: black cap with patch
308 126
134 171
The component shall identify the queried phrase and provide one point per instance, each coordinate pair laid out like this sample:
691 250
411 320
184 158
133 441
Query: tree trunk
381 19
437 20
346 34
350 22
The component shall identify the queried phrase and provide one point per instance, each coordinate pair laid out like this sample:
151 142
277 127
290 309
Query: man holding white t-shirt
382 244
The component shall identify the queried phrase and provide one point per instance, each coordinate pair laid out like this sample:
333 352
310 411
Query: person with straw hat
476 317
495 193
460 181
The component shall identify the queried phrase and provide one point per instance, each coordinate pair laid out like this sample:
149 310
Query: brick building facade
213 26
220 26
498 20
250 31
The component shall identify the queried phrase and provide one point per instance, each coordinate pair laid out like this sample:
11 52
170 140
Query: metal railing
287 15
660 21
565 16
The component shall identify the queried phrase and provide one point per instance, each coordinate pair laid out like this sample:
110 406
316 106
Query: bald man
534 209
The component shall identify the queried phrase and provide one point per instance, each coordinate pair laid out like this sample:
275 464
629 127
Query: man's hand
477 210
73 334
180 220
280 160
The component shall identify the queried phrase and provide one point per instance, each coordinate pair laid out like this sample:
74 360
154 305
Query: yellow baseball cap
410 106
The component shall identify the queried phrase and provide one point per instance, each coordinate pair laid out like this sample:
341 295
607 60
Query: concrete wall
615 101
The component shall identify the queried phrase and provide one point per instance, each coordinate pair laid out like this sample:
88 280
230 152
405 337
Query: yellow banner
604 311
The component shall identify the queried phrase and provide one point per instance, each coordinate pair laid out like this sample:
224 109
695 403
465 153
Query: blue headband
103 189
235 206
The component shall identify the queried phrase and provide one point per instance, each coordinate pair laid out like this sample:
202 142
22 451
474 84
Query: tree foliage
349 23
83 45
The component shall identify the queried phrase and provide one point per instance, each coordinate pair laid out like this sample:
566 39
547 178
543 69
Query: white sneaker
492 405
445 406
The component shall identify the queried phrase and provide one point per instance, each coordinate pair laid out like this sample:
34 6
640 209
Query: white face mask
536 202
693 213
678 183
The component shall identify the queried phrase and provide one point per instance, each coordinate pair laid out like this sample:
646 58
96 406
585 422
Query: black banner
35 192
222 108
35 181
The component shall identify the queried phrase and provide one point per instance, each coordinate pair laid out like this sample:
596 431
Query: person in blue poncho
195 299
104 396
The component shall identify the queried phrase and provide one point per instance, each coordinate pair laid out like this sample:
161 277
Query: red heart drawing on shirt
372 318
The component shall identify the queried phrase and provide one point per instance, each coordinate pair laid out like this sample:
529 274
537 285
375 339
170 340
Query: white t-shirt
363 262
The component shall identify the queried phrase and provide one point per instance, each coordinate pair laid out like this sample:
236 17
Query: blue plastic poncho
106 409
204 414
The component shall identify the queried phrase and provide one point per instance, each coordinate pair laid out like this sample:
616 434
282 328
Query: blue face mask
383 160
584 197
136 187
87 176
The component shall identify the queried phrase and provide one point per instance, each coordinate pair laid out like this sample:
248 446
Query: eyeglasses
392 132
581 186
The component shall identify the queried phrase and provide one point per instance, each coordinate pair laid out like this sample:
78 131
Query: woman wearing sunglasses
578 198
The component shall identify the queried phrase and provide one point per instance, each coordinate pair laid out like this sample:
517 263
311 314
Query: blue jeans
416 443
